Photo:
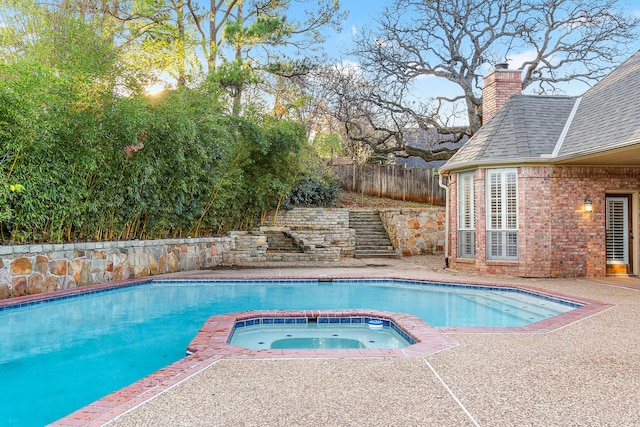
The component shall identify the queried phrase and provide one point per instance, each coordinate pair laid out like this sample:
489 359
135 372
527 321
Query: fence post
404 184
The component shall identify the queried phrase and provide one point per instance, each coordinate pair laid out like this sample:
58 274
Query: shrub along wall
96 166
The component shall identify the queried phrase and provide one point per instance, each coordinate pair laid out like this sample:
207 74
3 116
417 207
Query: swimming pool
66 353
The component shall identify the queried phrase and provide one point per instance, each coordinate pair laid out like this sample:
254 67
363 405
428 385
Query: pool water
316 336
64 354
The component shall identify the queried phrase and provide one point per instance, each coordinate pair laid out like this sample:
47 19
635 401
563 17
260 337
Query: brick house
549 186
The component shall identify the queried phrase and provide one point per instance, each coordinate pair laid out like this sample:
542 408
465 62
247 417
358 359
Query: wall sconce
588 206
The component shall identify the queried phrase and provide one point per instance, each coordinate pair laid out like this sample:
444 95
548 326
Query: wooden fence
393 182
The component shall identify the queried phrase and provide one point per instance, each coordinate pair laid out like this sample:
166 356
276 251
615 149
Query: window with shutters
466 216
502 214
617 230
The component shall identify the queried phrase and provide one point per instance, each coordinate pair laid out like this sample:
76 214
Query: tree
455 42
86 155
244 40
240 40
160 40
67 33
238 27
245 24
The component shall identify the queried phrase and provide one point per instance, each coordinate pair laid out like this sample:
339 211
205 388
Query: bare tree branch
457 42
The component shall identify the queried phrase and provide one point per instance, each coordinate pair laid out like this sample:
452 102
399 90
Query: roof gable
527 127
609 113
550 129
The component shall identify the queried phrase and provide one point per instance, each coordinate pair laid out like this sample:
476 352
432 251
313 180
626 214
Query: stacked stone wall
247 247
416 231
323 235
32 269
312 218
322 232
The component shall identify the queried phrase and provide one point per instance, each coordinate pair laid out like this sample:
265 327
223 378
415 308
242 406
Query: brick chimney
498 87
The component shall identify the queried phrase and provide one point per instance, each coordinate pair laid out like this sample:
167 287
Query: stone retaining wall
417 231
323 235
247 247
311 218
31 269
321 231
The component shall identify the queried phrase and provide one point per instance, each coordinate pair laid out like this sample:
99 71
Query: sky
363 13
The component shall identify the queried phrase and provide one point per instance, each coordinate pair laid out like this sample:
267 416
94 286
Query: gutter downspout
446 220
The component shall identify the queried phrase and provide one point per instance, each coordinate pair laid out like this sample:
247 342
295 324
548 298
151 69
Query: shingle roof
526 127
529 128
609 113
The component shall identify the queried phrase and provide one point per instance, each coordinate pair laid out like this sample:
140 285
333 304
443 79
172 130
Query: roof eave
520 161
581 157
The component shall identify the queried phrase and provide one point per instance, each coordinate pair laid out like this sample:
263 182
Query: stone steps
279 242
372 240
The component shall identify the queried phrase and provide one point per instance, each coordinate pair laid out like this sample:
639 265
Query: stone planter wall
250 247
310 218
247 247
32 269
321 231
416 231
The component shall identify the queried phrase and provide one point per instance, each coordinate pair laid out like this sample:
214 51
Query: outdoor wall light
588 206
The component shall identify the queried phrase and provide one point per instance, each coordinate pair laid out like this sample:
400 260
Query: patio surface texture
584 374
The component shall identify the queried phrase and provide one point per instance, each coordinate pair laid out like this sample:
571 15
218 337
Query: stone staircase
280 242
372 240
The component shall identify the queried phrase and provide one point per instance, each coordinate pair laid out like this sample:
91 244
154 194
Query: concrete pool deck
584 374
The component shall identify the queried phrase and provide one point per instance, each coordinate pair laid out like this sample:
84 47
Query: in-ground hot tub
411 336
319 333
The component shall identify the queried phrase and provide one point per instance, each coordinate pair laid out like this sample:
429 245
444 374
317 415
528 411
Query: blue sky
363 12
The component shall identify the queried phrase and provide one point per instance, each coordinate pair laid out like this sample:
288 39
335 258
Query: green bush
313 191
91 165
86 156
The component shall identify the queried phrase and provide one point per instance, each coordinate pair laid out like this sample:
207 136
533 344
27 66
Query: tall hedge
81 161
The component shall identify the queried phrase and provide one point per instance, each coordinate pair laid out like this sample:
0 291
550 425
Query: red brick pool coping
210 344
212 339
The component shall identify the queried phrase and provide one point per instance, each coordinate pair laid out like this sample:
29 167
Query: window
502 214
466 216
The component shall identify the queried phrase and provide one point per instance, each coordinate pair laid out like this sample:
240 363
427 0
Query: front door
619 234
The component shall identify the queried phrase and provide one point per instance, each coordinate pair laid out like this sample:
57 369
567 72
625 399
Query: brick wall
556 237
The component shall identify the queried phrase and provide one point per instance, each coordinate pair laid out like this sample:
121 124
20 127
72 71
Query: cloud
349 66
354 30
425 76
517 60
